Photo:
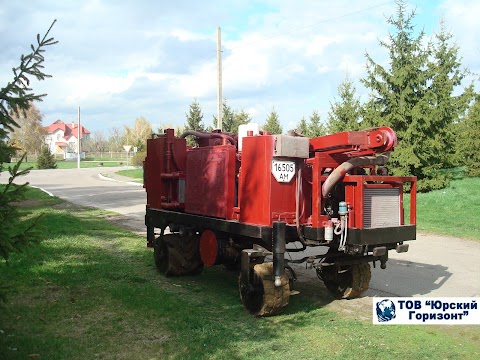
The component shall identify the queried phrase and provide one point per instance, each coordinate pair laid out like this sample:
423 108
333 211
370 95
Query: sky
121 59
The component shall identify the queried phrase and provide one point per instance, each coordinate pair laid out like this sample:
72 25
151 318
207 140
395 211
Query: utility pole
219 71
78 147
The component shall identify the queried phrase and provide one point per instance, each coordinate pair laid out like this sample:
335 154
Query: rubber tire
262 298
160 255
347 285
178 256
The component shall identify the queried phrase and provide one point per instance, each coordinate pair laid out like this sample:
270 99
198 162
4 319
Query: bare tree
115 140
139 133
99 141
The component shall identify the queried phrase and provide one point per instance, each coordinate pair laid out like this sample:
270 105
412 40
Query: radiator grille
381 208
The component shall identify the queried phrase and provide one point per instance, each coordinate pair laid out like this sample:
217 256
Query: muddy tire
160 255
262 298
346 282
178 256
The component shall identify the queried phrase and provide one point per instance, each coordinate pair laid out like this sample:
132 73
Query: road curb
45 191
125 182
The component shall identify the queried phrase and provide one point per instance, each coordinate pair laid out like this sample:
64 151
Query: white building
62 138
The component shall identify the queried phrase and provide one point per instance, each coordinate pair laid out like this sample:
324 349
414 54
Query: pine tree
194 117
231 119
17 96
302 127
46 160
315 126
272 125
399 99
469 139
448 104
194 121
345 114
241 118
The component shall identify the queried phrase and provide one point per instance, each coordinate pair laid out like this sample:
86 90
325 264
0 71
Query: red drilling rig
246 200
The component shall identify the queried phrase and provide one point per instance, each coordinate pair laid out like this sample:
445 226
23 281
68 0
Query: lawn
62 164
454 210
132 173
90 291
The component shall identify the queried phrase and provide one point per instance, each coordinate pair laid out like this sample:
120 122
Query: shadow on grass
86 264
91 270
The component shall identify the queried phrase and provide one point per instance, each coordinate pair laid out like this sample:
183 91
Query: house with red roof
62 138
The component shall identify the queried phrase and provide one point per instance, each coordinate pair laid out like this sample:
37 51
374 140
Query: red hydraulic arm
356 143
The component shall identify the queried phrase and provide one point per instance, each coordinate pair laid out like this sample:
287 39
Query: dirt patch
26 203
135 225
65 205
311 287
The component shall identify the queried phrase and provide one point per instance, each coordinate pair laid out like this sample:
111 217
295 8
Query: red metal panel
255 180
210 181
262 198
164 165
153 168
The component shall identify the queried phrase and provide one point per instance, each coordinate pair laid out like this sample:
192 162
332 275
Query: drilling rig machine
247 200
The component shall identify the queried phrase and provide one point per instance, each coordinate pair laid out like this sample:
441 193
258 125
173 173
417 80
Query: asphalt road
434 265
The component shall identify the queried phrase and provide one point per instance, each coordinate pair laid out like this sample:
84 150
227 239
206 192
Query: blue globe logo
385 310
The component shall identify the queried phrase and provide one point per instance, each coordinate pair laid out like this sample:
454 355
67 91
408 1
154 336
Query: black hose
203 135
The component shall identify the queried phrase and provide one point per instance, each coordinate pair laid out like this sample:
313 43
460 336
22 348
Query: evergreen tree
315 126
17 96
447 104
272 125
399 100
302 127
194 117
231 119
241 118
228 121
345 114
194 121
469 139
46 160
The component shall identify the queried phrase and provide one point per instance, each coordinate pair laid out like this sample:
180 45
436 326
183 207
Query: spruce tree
46 160
194 121
15 97
194 117
448 103
399 99
315 126
272 125
302 127
345 114
231 119
468 137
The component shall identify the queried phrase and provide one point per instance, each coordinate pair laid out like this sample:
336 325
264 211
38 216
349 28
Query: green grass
90 291
133 173
62 164
454 210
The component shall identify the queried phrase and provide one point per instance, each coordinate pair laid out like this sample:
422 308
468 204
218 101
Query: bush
138 158
46 160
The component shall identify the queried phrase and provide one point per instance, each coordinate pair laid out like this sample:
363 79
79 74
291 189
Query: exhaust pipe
347 166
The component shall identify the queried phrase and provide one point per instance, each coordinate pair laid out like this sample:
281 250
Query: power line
313 25
304 27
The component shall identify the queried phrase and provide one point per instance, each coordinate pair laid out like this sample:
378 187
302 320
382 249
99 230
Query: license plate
283 170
